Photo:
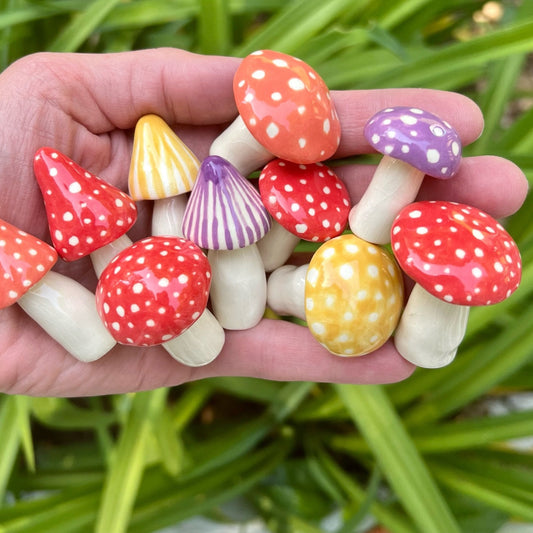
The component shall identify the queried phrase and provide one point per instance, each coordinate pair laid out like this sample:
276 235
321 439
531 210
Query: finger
114 90
281 351
490 183
355 108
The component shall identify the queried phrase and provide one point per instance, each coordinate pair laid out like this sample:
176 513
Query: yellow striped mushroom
162 168
353 296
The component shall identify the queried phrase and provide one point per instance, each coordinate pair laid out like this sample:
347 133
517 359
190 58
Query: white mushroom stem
238 146
103 256
276 246
286 291
67 311
167 215
394 185
200 344
238 287
430 330
196 346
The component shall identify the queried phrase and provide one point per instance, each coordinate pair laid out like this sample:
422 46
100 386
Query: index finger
356 107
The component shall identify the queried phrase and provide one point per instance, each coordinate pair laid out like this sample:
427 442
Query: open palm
86 106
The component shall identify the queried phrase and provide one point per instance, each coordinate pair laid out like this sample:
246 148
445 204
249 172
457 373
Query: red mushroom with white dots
153 292
285 111
65 309
306 202
85 214
459 257
414 143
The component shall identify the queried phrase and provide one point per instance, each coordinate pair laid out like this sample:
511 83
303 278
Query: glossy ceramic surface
456 252
417 137
24 260
310 201
153 290
161 164
224 211
84 212
353 296
287 107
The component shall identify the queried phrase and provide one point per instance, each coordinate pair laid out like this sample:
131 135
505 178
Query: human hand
86 106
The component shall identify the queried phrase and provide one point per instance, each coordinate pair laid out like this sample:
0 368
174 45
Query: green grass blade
10 441
82 26
215 29
129 461
398 457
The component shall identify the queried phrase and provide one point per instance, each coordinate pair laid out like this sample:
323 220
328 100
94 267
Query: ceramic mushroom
459 257
352 295
86 215
225 215
162 169
156 292
413 142
285 111
306 202
62 307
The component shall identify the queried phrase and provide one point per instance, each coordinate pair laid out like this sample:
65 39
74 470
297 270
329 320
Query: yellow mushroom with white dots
353 296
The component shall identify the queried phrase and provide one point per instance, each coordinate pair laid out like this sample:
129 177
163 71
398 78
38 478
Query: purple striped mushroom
414 143
226 216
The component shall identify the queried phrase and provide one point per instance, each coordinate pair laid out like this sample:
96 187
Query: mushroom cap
310 200
287 107
353 295
162 165
24 260
84 212
416 137
456 252
224 210
153 290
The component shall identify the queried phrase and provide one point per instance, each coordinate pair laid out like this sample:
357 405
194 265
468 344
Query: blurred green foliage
419 456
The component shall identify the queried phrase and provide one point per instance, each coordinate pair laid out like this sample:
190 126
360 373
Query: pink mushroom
285 111
459 257
62 307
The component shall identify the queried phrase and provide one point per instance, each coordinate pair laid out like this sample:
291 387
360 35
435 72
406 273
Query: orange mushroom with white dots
350 294
285 110
459 256
65 309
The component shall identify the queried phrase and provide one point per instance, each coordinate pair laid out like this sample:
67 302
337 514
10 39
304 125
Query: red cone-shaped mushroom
285 111
84 212
225 215
162 169
459 257
153 292
306 202
62 307
414 142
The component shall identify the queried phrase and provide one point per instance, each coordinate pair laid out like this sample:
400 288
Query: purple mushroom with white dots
414 143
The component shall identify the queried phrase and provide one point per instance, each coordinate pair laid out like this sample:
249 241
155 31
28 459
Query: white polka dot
346 271
326 126
272 130
415 214
73 241
163 282
258 74
373 271
296 84
68 216
302 142
433 155
437 130
280 63
295 207
375 138
276 96
405 148
478 234
408 119
53 172
301 228
461 254
183 278
477 272
137 288
150 323
58 235
422 230
498 267
372 317
74 187
318 328
309 304
312 276
455 148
